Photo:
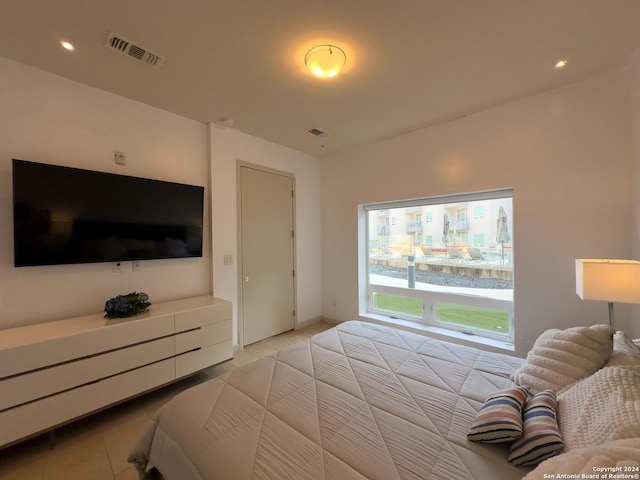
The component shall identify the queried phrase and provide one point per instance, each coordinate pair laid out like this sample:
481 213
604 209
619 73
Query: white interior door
267 253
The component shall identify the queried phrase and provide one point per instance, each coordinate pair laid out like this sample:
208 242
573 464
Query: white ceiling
411 63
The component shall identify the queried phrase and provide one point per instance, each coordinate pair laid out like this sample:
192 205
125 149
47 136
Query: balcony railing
413 227
459 225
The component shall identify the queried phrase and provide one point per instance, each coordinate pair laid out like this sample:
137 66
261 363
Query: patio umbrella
445 230
502 235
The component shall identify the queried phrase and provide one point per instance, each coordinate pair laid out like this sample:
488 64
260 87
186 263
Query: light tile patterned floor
95 448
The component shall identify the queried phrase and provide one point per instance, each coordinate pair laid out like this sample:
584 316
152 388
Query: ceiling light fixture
561 63
227 121
67 45
325 61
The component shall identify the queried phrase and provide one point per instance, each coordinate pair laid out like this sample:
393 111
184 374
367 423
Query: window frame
430 298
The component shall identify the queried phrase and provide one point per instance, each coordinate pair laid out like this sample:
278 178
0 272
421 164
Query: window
418 277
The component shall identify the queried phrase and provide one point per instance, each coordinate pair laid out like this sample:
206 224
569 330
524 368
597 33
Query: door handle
246 278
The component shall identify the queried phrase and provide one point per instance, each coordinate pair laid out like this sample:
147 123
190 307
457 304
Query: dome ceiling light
325 61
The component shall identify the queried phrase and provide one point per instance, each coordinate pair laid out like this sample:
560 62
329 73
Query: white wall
227 147
571 156
49 119
568 156
635 136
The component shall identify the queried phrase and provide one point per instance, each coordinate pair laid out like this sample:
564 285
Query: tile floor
95 448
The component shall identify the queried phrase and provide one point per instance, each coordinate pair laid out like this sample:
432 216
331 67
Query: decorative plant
128 305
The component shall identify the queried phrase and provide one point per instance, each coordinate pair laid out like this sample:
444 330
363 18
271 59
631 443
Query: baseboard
332 321
308 323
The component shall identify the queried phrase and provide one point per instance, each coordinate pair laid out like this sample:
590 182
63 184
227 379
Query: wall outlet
117 267
120 158
228 259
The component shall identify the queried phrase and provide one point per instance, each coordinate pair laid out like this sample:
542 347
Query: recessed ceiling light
561 63
67 45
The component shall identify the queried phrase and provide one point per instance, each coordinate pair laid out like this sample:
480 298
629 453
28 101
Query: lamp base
611 322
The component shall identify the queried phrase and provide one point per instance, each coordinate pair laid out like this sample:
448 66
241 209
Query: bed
358 401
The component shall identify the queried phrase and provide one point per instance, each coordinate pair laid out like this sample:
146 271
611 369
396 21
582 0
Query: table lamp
608 281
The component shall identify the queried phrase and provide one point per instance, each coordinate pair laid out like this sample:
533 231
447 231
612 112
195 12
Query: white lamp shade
608 280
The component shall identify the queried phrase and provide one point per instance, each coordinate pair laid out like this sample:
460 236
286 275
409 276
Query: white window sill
442 333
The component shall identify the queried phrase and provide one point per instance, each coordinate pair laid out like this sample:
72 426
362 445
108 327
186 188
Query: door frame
243 164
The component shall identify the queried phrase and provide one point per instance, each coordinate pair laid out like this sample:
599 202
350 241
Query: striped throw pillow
541 437
500 417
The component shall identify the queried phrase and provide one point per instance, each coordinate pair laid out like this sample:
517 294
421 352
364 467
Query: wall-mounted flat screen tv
64 215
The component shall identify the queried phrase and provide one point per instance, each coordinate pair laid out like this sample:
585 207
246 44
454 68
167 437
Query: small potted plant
122 306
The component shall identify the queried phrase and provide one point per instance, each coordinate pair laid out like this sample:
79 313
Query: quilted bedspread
358 401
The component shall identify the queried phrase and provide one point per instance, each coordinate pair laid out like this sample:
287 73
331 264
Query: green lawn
482 318
396 303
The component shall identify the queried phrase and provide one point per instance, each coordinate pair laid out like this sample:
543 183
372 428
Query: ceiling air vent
317 132
135 51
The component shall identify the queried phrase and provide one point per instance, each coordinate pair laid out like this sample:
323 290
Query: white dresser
54 372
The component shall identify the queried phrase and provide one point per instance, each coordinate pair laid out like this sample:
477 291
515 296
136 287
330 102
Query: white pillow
560 357
600 408
586 462
625 352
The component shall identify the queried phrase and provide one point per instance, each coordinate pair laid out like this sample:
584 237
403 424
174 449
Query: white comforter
358 401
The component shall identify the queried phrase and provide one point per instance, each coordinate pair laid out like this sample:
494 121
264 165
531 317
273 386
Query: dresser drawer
198 317
199 359
105 336
49 381
49 412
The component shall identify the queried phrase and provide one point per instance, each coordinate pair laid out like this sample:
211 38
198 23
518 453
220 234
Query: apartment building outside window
454 271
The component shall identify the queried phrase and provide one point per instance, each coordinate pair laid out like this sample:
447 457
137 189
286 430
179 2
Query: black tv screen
64 215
